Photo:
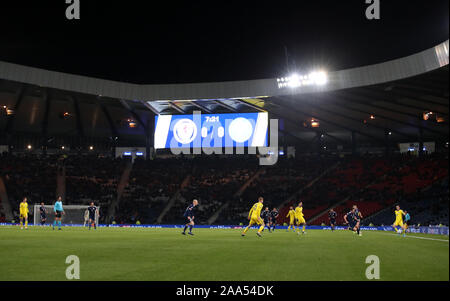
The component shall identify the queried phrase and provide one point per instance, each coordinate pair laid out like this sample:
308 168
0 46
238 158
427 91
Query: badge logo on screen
185 131
240 130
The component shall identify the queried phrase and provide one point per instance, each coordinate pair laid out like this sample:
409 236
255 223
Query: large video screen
211 130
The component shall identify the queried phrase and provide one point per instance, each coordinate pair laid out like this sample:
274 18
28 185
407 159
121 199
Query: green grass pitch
218 254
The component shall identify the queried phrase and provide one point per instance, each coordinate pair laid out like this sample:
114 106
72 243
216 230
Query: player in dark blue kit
43 213
358 213
358 218
273 218
349 220
92 214
265 215
332 216
352 219
189 215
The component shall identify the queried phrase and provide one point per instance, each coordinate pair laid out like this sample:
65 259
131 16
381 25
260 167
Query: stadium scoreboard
211 130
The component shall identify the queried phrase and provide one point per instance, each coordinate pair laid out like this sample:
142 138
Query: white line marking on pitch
420 237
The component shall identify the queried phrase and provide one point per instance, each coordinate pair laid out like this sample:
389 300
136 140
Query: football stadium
317 175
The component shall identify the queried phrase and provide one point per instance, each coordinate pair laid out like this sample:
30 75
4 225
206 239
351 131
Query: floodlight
319 78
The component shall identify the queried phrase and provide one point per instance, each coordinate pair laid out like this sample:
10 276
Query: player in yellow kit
291 215
398 219
255 217
23 209
300 218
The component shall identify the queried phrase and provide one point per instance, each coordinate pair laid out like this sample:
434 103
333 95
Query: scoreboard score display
211 130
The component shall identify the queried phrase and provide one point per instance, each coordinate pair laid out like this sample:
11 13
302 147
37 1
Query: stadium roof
368 75
372 102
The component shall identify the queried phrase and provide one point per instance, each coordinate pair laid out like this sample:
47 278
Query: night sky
198 41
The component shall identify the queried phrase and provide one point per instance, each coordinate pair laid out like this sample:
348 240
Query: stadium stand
372 183
150 186
91 178
428 206
29 175
406 177
276 185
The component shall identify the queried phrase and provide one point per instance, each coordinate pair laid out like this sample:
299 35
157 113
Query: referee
59 211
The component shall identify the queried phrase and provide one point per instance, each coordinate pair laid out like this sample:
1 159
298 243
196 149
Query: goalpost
74 214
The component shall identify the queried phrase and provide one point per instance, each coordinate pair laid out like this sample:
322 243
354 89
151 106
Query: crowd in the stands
159 190
91 178
400 178
29 176
150 186
276 183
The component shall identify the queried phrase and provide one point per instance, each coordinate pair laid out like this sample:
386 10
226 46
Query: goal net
74 214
